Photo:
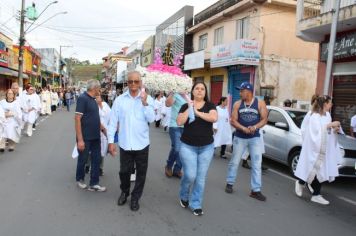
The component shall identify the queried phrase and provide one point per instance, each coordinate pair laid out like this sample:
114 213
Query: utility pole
21 43
331 48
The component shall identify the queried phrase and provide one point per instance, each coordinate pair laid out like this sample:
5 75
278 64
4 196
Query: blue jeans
173 159
253 146
94 148
68 103
196 161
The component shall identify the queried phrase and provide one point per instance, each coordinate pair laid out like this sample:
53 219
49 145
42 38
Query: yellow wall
207 73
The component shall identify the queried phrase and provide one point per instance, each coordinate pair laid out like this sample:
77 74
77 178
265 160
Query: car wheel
293 161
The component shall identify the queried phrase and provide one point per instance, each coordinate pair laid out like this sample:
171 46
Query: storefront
239 58
343 87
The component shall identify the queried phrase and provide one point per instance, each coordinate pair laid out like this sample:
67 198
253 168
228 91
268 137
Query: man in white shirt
353 126
130 114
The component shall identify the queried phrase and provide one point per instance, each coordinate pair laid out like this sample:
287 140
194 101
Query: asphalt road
39 197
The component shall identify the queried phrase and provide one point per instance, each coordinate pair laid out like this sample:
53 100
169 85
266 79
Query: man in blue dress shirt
131 113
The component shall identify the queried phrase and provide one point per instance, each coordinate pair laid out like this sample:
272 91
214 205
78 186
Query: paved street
39 197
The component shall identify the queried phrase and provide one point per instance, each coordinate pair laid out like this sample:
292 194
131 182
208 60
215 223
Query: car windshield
297 116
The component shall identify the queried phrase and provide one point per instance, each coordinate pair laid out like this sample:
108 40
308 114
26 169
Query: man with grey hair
88 127
130 115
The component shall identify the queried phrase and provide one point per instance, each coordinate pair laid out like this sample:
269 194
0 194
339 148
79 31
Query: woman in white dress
54 100
158 109
222 128
12 124
320 152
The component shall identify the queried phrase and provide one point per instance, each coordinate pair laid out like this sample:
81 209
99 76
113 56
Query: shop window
199 79
267 91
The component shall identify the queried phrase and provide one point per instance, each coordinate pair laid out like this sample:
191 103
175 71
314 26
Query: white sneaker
298 189
319 199
81 185
97 188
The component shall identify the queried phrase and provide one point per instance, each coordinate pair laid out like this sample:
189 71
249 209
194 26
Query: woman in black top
197 148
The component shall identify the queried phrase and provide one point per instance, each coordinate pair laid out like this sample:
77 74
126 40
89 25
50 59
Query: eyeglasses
133 82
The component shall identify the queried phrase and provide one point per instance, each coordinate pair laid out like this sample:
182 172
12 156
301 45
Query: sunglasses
133 82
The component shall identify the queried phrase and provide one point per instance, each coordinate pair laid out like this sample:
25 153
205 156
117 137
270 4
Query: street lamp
59 13
22 35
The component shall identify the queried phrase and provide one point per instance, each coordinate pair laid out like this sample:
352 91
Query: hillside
86 72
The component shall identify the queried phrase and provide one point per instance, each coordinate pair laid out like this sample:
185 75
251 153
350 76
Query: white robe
12 125
223 136
104 120
2 123
46 102
28 102
54 98
320 152
166 115
158 109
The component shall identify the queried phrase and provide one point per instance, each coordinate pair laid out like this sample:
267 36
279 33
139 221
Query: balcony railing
315 8
214 9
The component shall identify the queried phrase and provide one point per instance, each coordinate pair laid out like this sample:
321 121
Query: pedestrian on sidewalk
173 167
222 128
12 124
197 148
249 115
320 155
132 111
88 127
31 106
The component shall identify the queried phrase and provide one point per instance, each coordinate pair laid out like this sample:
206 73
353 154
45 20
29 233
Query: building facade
50 72
148 48
314 19
247 41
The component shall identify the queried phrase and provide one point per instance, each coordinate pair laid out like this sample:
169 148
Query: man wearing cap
248 116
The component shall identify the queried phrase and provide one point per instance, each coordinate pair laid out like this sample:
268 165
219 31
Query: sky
92 28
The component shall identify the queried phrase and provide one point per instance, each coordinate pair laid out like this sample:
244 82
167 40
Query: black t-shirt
199 132
89 109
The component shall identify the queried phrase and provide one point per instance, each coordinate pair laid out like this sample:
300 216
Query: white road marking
281 174
347 200
352 202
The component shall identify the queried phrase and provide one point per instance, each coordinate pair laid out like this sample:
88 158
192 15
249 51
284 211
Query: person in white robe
222 128
320 154
54 100
46 102
166 116
31 105
158 104
2 126
13 119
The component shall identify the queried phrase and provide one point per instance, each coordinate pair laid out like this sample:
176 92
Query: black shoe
87 169
264 168
11 150
2 150
101 172
228 188
223 157
258 195
165 128
122 199
198 212
246 165
134 205
184 204
178 174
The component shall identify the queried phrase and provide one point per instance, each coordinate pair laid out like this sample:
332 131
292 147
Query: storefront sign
194 60
345 47
4 58
239 52
147 51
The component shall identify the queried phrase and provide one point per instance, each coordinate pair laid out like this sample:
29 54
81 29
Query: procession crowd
20 110
196 128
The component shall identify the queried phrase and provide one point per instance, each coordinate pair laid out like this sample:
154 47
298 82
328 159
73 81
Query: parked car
283 140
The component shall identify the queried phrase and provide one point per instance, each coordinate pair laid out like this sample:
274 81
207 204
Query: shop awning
9 72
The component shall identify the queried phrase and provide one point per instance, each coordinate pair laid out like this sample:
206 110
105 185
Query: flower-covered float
165 74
